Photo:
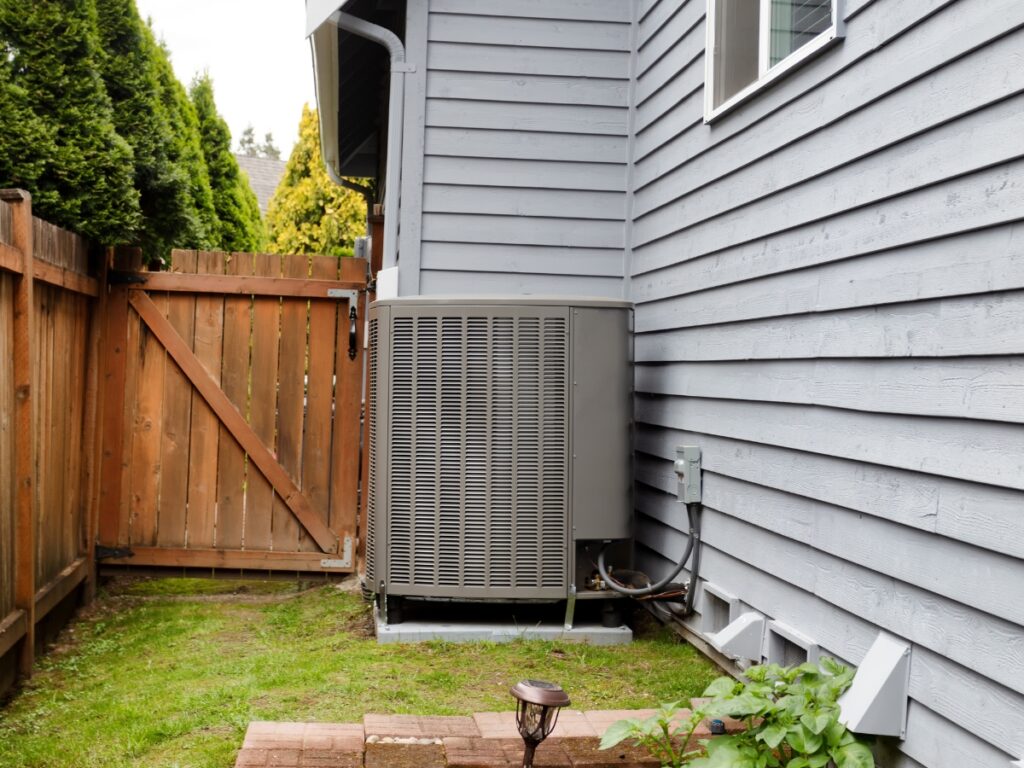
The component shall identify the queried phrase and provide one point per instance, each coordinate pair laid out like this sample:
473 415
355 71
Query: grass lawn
168 672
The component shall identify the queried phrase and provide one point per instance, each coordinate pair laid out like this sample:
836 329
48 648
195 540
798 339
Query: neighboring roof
264 176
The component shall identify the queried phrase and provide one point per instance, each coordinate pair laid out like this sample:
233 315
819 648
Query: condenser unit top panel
520 301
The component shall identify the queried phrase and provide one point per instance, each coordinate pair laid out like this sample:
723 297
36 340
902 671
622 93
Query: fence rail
49 347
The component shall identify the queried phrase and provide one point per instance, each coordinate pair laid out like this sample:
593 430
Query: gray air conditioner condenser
499 445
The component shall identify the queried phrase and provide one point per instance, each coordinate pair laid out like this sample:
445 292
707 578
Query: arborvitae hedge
85 177
95 125
241 228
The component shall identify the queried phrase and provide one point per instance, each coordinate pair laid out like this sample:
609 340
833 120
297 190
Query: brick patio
484 740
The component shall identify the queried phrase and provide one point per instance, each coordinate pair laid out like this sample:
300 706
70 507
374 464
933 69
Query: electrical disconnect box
687 468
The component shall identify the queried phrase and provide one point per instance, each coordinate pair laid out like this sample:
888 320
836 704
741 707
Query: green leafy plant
790 717
665 734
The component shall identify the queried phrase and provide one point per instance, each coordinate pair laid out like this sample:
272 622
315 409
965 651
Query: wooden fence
204 417
233 394
49 378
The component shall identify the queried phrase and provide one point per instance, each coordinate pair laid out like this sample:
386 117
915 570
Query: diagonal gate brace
234 422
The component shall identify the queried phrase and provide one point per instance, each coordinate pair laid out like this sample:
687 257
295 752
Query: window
753 42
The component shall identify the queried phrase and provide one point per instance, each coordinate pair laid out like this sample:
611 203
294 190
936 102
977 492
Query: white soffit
318 11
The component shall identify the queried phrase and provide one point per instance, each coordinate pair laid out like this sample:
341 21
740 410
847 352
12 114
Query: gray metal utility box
500 444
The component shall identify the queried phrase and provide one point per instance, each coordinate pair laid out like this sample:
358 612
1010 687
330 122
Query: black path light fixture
537 706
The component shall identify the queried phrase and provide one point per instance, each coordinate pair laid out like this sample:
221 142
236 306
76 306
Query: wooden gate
232 418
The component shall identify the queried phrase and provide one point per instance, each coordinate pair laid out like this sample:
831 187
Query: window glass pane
736 40
795 23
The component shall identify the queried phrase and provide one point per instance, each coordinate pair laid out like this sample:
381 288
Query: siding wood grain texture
829 289
525 141
829 300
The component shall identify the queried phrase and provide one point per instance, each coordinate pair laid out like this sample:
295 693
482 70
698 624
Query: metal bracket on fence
345 561
352 296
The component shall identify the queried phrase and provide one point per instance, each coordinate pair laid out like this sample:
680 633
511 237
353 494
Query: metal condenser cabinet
500 442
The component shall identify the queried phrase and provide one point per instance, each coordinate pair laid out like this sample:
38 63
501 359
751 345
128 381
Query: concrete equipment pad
455 631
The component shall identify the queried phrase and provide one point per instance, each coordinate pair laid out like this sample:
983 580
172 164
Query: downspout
396 122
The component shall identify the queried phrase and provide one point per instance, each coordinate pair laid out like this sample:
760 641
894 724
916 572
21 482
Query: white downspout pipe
396 123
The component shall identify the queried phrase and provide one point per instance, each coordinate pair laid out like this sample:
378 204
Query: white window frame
766 73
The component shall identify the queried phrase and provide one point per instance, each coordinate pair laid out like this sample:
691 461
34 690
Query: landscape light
537 705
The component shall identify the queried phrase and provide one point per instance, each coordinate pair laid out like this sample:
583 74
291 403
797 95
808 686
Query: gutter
396 121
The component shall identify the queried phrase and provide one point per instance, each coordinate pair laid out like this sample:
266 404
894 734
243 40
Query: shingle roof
264 175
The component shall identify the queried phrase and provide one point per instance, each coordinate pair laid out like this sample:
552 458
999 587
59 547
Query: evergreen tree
309 213
247 144
129 69
186 152
86 183
267 148
27 144
241 228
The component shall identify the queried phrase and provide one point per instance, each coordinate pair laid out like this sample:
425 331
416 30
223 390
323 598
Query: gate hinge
345 561
115 277
107 553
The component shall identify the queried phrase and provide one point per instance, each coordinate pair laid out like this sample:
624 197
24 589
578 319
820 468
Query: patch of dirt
349 585
361 625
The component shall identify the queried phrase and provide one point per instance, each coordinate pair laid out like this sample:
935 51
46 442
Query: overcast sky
255 51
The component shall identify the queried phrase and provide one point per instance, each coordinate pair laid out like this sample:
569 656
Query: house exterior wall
828 286
829 290
514 179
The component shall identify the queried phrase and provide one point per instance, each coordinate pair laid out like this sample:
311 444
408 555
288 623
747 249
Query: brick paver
497 725
379 755
485 740
414 726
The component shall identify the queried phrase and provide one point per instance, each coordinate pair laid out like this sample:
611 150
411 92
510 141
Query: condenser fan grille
477 468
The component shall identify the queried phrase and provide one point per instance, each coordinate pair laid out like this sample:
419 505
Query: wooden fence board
224 558
12 629
42 329
129 408
6 442
144 474
92 429
235 383
263 407
114 376
177 416
345 465
290 377
316 442
24 430
261 286
202 476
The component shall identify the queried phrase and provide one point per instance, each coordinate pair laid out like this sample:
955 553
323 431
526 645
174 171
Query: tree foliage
309 213
130 69
84 178
187 153
94 123
241 228
247 145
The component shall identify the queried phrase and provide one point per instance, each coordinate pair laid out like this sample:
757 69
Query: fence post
24 426
115 341
93 427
